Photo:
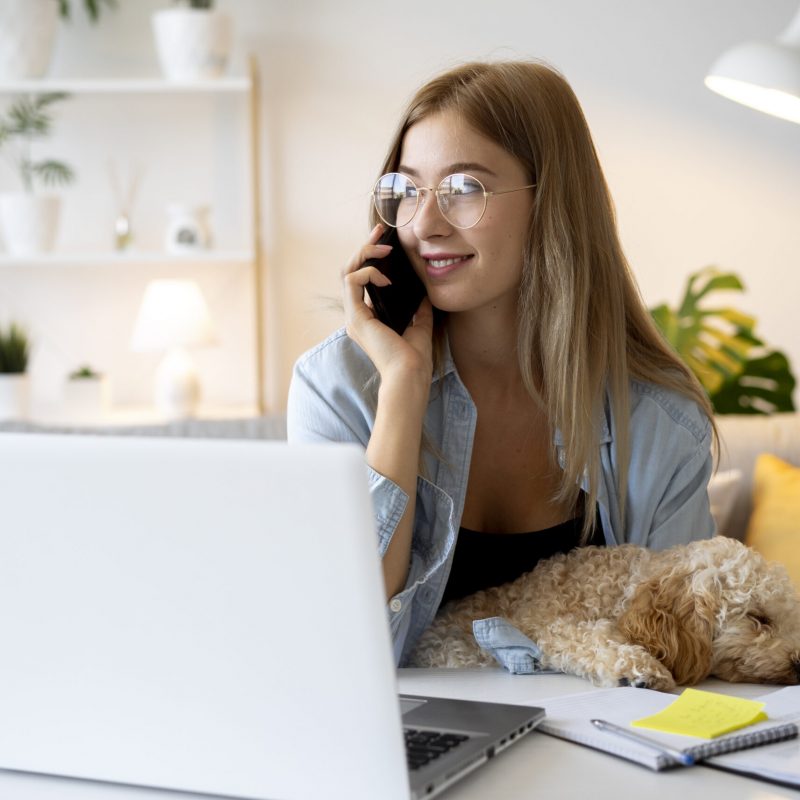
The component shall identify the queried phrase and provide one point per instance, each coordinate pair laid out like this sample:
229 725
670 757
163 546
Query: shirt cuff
515 651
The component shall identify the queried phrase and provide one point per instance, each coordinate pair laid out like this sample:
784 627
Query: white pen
675 755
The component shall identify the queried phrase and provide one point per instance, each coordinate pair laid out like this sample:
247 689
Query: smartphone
396 304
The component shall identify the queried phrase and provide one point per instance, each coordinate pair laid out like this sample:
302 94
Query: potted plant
86 394
28 33
739 372
28 219
193 40
14 356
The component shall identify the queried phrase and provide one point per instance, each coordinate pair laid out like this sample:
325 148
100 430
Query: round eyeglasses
461 199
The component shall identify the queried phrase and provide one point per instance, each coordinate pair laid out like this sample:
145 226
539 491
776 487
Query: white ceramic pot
29 222
87 399
27 37
14 396
192 43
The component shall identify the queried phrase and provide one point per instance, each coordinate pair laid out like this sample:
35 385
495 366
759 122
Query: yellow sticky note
704 714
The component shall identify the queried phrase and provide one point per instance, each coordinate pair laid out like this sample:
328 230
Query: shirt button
396 605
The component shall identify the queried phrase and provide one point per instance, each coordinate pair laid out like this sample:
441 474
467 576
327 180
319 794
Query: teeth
444 262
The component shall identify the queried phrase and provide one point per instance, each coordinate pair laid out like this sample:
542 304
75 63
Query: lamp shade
762 75
173 313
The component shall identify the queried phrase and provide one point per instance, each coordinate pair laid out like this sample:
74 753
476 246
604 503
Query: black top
482 560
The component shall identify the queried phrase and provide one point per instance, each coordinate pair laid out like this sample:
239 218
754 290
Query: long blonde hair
583 329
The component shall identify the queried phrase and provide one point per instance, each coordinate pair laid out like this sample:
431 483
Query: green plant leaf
53 173
720 347
14 350
764 386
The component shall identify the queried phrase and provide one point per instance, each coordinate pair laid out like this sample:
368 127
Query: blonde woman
531 406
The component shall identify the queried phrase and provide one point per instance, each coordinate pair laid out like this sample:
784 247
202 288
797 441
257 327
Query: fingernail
384 247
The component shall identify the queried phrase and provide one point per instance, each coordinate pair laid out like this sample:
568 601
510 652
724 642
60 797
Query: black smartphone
397 303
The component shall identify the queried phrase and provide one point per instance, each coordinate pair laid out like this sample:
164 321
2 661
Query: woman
531 406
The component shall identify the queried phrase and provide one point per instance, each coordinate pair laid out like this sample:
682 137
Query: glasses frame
436 192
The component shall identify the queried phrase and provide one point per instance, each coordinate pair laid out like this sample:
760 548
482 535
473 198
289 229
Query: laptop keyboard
422 747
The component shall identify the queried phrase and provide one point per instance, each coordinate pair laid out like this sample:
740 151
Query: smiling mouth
440 266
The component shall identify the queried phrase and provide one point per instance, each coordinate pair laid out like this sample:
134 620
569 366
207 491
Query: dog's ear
674 624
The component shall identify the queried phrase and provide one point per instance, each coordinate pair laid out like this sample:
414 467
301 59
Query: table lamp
762 75
173 317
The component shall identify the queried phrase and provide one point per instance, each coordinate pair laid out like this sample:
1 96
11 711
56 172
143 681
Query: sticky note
704 714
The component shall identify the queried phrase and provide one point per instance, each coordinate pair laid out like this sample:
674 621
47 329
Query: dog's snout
796 667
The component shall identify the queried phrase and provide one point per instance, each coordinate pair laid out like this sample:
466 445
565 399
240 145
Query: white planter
29 222
27 37
14 396
87 399
192 43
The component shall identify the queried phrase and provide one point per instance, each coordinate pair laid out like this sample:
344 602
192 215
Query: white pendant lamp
762 75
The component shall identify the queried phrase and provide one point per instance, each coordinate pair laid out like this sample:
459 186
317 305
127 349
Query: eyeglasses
461 199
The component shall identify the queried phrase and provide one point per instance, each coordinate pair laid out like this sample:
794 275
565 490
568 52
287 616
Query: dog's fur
619 615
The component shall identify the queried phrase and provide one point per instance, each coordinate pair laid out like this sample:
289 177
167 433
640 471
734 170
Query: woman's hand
403 357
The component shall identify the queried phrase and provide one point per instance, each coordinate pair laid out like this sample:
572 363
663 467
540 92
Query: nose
429 221
796 667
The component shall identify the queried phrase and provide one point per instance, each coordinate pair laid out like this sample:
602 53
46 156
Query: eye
760 620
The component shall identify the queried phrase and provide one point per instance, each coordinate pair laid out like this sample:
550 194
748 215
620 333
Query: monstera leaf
739 373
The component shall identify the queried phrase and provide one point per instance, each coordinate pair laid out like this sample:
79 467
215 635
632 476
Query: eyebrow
459 166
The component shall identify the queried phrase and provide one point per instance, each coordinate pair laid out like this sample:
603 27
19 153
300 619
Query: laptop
209 616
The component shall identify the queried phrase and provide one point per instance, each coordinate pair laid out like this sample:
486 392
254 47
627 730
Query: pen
675 755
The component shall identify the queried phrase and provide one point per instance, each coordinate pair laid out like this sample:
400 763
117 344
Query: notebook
568 717
209 616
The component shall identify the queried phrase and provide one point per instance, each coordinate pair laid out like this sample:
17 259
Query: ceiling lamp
762 75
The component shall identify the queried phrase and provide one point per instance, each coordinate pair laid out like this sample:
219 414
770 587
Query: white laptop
209 616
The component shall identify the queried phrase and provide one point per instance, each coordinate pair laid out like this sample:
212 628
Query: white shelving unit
247 86
76 259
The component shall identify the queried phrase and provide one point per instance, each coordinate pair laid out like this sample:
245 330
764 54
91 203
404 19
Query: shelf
144 257
126 85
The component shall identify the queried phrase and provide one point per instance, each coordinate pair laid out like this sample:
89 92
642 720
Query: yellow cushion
774 528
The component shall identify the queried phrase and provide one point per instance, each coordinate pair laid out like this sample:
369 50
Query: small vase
192 44
188 229
27 37
29 222
14 396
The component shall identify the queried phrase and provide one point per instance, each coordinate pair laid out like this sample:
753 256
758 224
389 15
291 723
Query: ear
674 624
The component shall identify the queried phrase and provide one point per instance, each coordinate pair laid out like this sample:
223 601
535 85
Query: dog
627 615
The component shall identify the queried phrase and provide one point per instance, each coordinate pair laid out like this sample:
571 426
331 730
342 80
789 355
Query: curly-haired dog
631 615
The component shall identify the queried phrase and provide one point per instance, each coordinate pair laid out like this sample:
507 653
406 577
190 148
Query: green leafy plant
201 4
84 372
92 8
27 120
14 350
739 372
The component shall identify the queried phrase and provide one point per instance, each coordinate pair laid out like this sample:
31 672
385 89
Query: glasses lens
462 200
395 197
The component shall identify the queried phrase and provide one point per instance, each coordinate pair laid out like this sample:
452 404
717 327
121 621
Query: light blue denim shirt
332 398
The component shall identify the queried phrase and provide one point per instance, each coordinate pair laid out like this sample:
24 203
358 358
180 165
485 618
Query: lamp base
177 385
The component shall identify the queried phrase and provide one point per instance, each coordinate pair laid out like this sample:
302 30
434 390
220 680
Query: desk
537 767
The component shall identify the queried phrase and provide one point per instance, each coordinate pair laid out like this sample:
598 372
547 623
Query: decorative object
29 220
124 196
193 40
173 317
87 395
28 34
188 229
774 528
740 374
762 75
14 384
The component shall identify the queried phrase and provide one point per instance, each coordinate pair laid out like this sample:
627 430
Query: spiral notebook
568 717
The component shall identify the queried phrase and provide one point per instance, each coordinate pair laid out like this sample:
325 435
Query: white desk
537 767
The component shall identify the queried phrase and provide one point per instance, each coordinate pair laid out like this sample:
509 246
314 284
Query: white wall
697 179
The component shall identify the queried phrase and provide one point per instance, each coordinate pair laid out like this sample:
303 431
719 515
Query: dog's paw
636 667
